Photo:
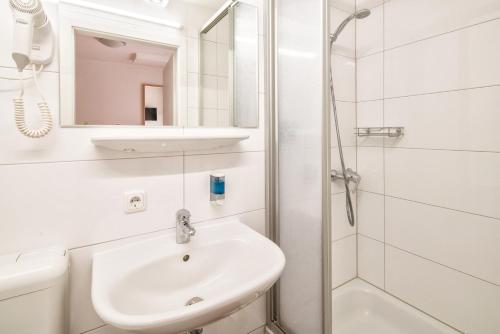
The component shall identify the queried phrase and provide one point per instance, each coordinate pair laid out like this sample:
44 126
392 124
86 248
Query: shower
348 175
360 14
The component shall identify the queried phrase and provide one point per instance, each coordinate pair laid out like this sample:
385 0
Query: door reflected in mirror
203 74
154 101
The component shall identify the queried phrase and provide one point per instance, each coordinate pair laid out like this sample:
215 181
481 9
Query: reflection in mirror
229 67
246 66
122 81
201 71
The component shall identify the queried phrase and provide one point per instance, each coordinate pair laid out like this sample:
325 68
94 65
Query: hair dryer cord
43 107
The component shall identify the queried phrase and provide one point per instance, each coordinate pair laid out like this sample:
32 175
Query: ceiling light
111 43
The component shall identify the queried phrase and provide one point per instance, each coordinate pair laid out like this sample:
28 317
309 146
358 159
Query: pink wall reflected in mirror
110 79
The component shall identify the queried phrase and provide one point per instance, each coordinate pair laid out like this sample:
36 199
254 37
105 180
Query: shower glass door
302 299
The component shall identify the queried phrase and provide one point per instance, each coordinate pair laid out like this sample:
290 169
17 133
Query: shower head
360 14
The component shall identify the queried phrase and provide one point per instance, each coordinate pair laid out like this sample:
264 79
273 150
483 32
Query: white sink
145 286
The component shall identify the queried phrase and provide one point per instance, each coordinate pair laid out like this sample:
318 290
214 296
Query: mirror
228 68
203 72
122 82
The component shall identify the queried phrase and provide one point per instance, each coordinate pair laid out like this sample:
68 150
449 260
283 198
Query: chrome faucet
184 230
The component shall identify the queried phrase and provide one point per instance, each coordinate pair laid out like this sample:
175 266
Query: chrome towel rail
390 131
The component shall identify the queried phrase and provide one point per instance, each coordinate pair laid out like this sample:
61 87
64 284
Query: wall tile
407 21
459 180
193 90
466 242
460 120
370 70
462 59
344 78
245 189
371 261
245 321
345 43
466 303
346 112
350 162
371 169
370 114
343 260
370 33
371 215
81 203
340 224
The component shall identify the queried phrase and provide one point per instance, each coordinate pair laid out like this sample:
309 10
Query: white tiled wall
63 190
429 219
344 247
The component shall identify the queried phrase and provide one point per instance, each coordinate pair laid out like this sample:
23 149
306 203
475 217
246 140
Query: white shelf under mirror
167 143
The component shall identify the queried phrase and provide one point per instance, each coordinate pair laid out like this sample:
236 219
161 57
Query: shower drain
194 300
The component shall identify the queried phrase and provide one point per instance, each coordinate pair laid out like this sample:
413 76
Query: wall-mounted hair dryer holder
42 50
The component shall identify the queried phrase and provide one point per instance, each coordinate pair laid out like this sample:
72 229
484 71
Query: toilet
33 289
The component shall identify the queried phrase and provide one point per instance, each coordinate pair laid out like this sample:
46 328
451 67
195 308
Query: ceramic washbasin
159 286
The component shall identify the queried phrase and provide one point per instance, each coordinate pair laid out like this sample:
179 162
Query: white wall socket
135 201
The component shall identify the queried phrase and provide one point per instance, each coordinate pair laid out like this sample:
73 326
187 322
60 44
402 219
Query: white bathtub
360 308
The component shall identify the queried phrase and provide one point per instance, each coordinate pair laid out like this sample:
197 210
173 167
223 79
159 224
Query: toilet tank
33 289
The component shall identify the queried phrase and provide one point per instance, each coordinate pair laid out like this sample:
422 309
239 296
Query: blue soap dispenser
217 188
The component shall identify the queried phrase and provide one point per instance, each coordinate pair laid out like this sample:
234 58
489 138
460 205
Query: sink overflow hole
194 300
185 258
195 331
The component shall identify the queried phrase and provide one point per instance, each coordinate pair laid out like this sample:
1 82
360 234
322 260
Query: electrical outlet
135 201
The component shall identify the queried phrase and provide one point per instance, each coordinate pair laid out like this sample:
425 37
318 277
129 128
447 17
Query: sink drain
194 300
185 258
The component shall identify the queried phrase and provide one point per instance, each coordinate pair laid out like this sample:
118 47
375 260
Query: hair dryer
33 41
32 44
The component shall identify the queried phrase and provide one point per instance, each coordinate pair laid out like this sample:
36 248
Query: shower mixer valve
352 177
